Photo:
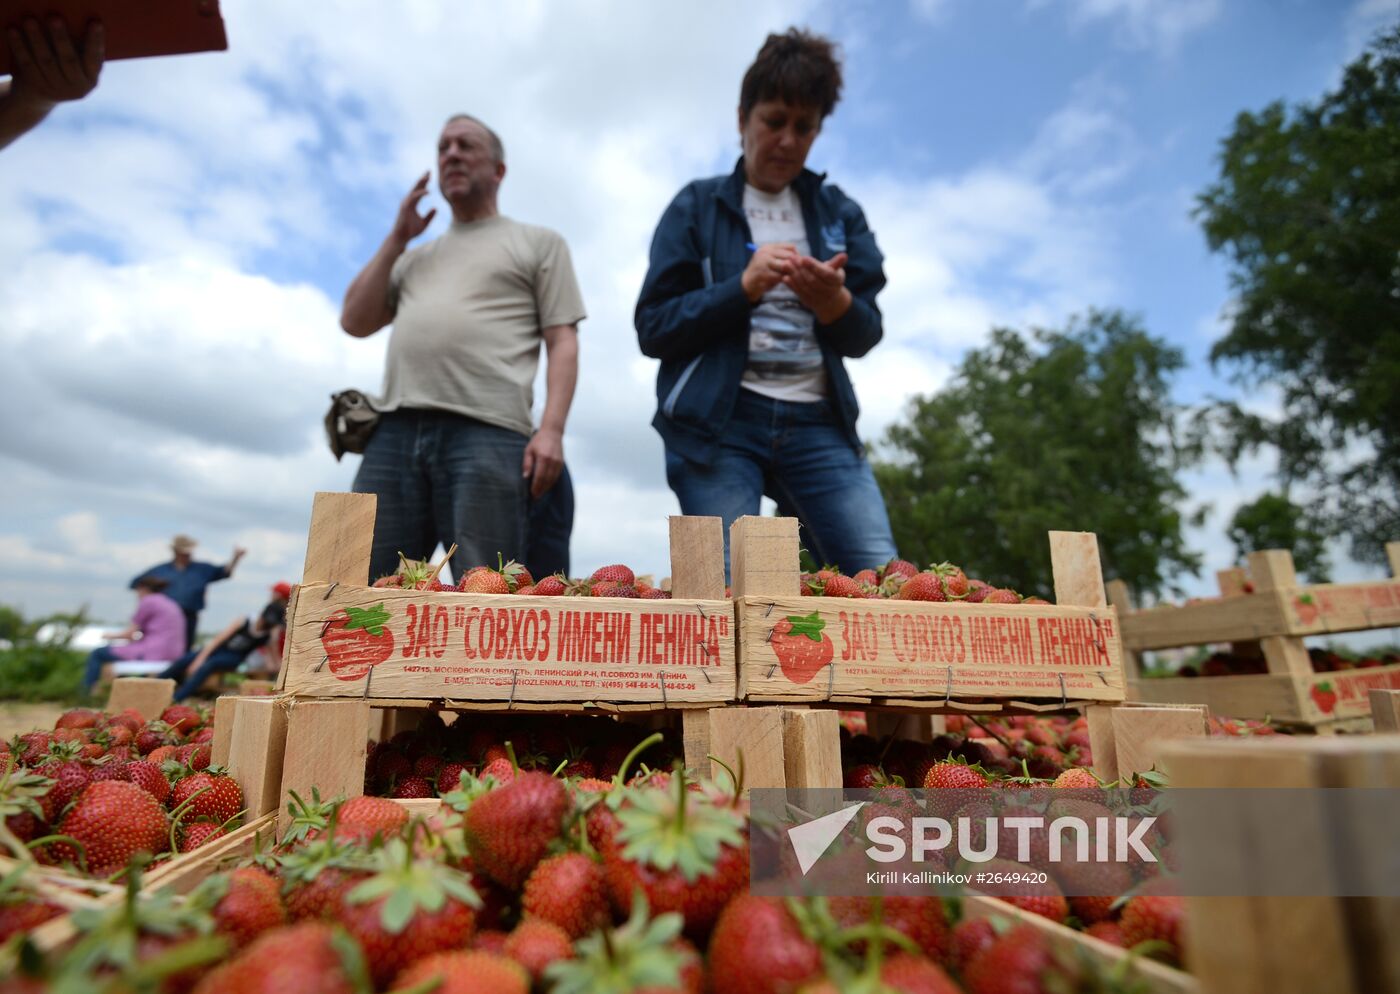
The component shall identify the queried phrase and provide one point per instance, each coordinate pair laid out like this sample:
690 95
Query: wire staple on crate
1064 698
514 676
330 590
831 679
317 667
948 694
706 674
703 647
701 609
368 677
770 609
661 676
1098 636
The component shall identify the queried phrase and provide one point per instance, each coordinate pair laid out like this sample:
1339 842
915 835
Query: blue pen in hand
751 247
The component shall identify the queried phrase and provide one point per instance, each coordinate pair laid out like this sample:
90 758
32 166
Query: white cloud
1154 24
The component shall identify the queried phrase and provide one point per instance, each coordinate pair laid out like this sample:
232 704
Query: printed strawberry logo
800 646
355 640
1306 609
1324 697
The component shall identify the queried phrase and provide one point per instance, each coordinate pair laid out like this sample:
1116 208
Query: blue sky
175 247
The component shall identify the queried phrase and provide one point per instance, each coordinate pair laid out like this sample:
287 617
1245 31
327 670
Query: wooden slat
1237 619
758 733
1385 710
1074 558
148 696
325 749
697 558
224 709
763 557
184 873
1257 696
1392 554
341 537
812 748
257 751
1231 581
935 651
695 736
1140 734
513 649
1102 743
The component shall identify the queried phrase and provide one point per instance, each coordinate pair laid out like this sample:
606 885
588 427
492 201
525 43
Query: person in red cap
227 650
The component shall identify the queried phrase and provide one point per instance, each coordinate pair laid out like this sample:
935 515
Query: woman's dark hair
152 583
796 67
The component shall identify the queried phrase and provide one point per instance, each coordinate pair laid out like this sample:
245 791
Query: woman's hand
821 286
770 265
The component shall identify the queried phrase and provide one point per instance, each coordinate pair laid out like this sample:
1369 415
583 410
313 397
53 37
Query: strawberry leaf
810 625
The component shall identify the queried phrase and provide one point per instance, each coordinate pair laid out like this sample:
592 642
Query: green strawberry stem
510 754
46 839
637 750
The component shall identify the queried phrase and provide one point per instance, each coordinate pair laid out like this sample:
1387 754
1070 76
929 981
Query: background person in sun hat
186 579
226 651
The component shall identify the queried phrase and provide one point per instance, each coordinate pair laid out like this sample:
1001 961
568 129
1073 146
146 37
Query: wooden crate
508 651
1292 944
1154 977
921 655
1275 617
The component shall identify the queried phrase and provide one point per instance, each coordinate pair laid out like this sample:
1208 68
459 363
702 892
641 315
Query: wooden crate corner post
1074 560
697 558
757 733
812 748
147 696
1385 709
337 550
256 751
1141 733
325 749
763 557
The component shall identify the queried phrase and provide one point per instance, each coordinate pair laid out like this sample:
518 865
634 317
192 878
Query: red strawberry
1110 932
1154 916
148 777
898 567
955 582
611 588
408 910
1078 778
181 717
642 956
757 947
360 819
953 775
509 828
472 972
921 919
1018 962
250 905
550 586
356 640
922 587
78 718
654 594
153 736
500 768
413 786
801 646
199 834
568 890
903 973
838 585
303 957
449 778
215 797
484 580
616 574
998 595
683 852
113 821
535 944
970 936
20 913
69 780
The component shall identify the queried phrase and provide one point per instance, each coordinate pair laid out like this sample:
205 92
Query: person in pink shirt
158 620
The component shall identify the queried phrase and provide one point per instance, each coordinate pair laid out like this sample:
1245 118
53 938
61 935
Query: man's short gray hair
498 149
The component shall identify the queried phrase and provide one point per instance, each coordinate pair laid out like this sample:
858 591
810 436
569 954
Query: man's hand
821 286
410 224
544 460
769 266
48 70
238 553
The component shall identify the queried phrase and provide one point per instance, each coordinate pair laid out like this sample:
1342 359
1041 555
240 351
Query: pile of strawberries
99 790
1229 663
512 578
900 579
526 880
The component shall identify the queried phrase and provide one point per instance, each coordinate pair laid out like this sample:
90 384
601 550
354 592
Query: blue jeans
445 478
218 661
551 525
96 659
799 455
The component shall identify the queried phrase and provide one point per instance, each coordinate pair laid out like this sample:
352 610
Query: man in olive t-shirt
455 458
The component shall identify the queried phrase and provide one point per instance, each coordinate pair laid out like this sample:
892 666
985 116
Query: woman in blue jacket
761 283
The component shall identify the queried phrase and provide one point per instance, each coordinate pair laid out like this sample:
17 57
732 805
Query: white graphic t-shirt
785 361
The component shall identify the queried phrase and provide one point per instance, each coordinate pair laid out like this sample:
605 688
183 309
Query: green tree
1275 522
1307 209
1063 429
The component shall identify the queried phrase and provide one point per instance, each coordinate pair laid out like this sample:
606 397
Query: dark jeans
799 455
191 626
444 478
551 524
96 659
218 661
